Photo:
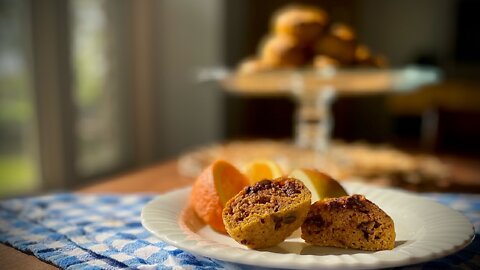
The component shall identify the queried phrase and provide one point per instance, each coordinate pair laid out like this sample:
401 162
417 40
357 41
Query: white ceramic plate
425 230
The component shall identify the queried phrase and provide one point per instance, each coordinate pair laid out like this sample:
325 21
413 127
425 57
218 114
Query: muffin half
349 222
266 213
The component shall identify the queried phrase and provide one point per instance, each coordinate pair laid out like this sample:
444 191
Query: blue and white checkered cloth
75 231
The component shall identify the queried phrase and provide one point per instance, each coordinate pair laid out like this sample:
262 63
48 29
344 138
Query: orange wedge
320 185
262 169
213 188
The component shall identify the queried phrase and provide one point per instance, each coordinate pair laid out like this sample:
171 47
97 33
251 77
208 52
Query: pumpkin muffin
339 44
282 52
266 213
349 222
304 23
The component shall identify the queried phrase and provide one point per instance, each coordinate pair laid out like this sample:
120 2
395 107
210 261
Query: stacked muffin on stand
302 37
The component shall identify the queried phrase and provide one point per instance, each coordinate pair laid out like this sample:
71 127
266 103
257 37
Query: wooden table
159 178
165 177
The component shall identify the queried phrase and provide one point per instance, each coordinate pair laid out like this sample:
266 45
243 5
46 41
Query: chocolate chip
289 219
264 184
278 222
365 234
277 226
263 199
277 219
316 220
262 220
243 242
366 228
291 188
355 202
261 185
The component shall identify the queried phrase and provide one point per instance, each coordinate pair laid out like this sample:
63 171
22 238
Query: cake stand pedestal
314 92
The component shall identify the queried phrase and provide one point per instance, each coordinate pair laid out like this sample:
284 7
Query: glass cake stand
314 91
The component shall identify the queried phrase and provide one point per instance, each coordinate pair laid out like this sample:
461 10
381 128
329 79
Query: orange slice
262 169
320 185
213 188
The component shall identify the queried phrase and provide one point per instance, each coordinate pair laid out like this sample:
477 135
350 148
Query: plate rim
178 235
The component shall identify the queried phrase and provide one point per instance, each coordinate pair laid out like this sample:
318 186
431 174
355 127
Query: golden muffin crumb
266 213
349 222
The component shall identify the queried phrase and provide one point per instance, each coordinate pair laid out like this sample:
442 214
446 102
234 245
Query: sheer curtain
91 88
100 85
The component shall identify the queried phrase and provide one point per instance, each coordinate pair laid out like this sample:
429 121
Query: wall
405 30
189 37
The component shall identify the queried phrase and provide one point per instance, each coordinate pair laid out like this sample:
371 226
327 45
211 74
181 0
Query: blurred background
93 88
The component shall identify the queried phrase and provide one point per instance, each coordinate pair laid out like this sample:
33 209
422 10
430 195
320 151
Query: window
100 85
75 89
93 87
18 145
